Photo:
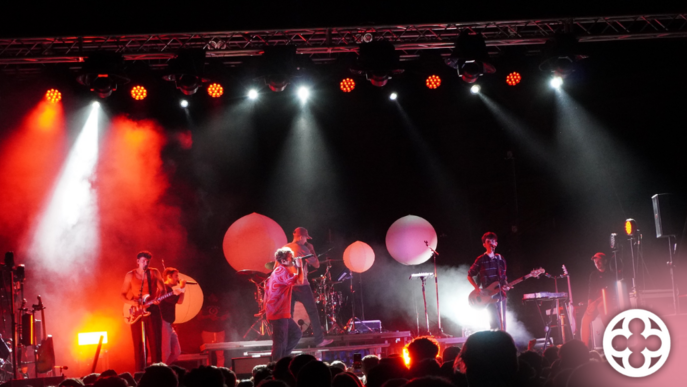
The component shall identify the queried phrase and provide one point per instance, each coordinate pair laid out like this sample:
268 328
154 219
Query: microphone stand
436 285
143 325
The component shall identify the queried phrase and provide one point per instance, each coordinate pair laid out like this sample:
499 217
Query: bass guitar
480 298
133 313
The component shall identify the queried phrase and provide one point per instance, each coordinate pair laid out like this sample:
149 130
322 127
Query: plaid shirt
489 270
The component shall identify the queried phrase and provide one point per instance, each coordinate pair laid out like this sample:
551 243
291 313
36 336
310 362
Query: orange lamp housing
433 82
53 96
513 78
139 93
215 90
347 85
630 227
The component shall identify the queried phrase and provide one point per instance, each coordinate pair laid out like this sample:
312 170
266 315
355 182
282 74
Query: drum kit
328 298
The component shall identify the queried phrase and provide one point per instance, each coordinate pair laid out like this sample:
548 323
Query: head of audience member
560 379
488 358
397 362
594 374
245 383
450 354
271 383
398 382
314 374
596 356
110 381
422 348
368 362
71 382
429 381
550 355
281 371
229 376
346 379
425 367
335 371
204 376
573 354
129 379
338 364
382 373
90 378
533 359
158 375
299 362
109 372
260 373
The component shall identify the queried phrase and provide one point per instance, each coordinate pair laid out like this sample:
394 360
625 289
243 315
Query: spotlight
513 79
281 65
562 53
470 56
215 90
433 81
556 82
303 93
102 73
393 96
253 94
630 227
53 96
378 61
139 93
186 71
183 103
475 89
347 85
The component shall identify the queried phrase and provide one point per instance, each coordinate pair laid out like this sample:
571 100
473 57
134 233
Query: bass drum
300 316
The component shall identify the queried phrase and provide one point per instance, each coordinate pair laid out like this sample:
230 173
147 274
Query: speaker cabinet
669 215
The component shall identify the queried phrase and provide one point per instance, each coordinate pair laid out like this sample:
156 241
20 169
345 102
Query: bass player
489 268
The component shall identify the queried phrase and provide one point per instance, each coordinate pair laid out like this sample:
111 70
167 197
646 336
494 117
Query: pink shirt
300 251
279 288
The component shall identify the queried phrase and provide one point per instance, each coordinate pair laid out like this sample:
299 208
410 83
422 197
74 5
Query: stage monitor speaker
34 382
669 215
243 366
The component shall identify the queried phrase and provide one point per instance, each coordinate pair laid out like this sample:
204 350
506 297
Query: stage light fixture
53 96
139 93
433 81
347 85
183 103
215 90
475 89
378 62
280 66
252 94
303 93
469 57
186 71
556 82
102 72
393 96
513 78
562 53
630 227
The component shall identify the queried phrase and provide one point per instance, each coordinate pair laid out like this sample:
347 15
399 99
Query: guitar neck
517 281
162 297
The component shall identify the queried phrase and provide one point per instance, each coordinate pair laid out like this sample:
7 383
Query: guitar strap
150 290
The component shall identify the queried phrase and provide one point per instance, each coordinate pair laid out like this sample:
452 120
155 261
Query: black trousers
153 327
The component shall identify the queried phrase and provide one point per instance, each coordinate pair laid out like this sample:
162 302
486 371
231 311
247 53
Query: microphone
305 256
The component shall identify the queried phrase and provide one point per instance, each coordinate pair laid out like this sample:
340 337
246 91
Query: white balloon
251 241
193 301
359 257
406 238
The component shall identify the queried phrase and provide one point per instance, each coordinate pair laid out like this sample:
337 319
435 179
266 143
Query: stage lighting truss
433 82
347 85
215 90
513 78
102 73
53 96
378 62
469 57
139 93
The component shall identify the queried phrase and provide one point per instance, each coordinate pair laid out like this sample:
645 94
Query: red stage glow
53 96
347 85
513 79
433 81
215 90
406 356
139 93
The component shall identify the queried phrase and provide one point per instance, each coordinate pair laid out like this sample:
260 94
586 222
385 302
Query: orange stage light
90 338
53 95
406 356
513 79
433 81
347 85
139 93
630 227
215 90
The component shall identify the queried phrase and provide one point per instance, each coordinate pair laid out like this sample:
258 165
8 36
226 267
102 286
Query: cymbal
331 260
252 275
270 265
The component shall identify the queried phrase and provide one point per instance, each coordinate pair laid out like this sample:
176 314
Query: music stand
423 278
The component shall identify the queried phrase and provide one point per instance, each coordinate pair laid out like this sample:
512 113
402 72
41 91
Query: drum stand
326 289
350 325
261 326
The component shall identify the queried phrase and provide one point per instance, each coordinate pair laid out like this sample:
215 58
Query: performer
285 332
214 318
601 278
302 291
171 349
138 282
489 268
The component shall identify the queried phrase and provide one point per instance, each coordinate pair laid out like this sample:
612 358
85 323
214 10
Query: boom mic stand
423 278
436 286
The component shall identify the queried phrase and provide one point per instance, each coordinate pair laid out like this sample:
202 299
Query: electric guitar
133 313
480 298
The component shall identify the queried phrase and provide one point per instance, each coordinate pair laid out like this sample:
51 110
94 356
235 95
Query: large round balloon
406 238
251 241
359 257
193 301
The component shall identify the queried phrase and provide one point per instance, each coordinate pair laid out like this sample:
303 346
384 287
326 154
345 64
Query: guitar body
480 299
133 313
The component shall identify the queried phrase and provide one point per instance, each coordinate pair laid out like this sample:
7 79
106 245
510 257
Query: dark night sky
438 154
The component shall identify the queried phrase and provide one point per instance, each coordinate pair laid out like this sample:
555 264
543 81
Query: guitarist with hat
137 283
489 268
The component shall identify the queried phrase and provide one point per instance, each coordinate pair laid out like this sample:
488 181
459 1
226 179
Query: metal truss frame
326 44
